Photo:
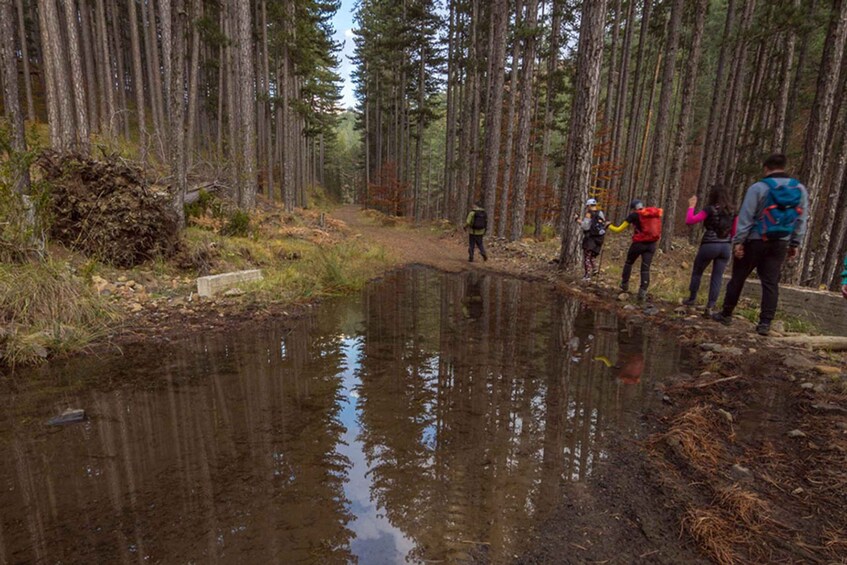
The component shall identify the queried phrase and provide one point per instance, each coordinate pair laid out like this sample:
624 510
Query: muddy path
408 246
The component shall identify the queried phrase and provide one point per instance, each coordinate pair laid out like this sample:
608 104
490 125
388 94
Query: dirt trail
444 251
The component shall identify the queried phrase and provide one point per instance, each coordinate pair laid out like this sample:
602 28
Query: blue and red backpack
782 209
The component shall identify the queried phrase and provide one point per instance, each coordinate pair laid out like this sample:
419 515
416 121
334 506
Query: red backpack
651 225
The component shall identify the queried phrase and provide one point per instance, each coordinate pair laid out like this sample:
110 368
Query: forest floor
747 457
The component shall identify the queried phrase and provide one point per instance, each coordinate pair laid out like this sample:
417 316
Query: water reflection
434 418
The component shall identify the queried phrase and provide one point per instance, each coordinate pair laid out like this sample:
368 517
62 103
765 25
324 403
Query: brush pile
107 210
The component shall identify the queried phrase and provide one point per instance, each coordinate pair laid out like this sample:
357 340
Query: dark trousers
638 249
767 258
718 254
588 257
475 241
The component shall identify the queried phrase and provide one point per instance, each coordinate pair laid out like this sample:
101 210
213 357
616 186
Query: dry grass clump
713 533
45 309
746 506
694 436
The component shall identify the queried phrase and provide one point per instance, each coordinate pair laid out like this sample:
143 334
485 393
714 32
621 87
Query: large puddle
433 418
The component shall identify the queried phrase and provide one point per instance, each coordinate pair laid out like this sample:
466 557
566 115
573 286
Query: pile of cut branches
107 210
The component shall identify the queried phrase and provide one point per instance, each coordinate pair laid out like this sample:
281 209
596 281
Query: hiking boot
720 317
586 279
764 328
484 257
708 312
642 294
470 259
624 287
691 301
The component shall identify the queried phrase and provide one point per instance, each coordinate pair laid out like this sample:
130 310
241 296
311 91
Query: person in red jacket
648 229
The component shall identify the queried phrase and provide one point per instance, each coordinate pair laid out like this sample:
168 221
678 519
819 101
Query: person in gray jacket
771 225
593 226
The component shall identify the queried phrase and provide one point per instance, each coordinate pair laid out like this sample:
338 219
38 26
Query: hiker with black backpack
719 219
593 226
476 225
648 230
771 225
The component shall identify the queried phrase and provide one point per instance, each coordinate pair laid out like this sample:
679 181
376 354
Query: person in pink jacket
719 219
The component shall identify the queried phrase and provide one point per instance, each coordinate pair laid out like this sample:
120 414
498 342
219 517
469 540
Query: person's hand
738 251
792 252
692 202
844 291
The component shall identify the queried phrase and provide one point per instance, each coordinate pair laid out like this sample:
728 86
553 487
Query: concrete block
822 308
209 286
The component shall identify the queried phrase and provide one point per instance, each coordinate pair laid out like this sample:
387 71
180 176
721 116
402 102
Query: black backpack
598 225
720 222
480 220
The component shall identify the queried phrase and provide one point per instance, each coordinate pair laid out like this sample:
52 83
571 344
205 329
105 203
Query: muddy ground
747 462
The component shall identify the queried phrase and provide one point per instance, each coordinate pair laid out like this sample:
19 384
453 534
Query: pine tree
583 118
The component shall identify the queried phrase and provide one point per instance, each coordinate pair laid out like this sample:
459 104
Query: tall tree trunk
715 110
814 147
728 138
166 21
464 192
836 248
613 70
823 247
88 47
524 122
494 113
154 74
176 111
802 55
552 91
580 148
620 116
419 141
689 88
790 40
138 81
449 145
77 77
117 49
247 102
505 189
193 78
11 94
268 126
22 37
655 180
107 96
59 107
630 156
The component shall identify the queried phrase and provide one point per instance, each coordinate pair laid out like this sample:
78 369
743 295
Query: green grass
320 272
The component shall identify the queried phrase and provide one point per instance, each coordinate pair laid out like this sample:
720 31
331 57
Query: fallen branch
831 342
723 380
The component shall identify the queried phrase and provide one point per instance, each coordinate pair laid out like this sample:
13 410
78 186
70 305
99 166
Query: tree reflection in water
479 396
435 417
